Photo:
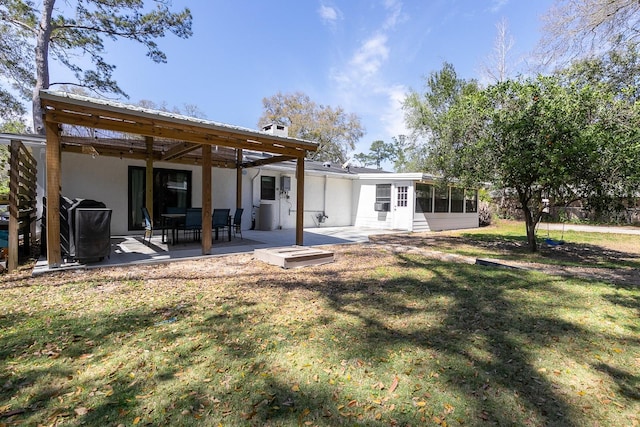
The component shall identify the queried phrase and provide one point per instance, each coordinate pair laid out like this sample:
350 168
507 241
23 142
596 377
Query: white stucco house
116 172
335 196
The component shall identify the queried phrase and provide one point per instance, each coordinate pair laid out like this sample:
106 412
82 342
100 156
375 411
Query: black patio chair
220 221
237 222
193 222
148 225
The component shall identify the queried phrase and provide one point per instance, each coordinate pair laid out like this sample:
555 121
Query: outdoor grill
85 229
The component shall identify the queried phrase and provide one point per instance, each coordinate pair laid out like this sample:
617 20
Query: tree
582 28
378 153
333 129
615 168
497 67
13 54
434 131
77 29
543 140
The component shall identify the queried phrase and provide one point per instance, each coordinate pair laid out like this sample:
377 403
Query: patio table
171 219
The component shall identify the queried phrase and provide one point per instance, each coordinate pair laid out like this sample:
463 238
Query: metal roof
116 129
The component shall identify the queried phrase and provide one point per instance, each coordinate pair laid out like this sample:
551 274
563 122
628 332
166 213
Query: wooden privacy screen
22 201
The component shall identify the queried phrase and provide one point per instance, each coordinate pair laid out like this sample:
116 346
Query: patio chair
237 222
220 221
148 225
193 222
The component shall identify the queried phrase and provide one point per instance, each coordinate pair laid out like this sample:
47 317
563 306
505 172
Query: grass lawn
378 338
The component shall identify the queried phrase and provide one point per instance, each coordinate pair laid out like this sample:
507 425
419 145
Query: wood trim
238 179
180 150
299 201
95 112
181 133
148 191
14 226
270 160
54 255
206 201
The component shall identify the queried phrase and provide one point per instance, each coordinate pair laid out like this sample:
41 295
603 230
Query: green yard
380 337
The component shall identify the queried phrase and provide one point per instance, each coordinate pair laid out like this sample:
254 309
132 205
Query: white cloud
395 16
362 87
393 115
370 57
329 15
497 5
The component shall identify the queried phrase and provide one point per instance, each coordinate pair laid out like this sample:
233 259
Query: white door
402 215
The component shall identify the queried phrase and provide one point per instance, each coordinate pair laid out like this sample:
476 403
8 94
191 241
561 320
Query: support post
238 178
206 199
299 200
54 255
148 191
14 212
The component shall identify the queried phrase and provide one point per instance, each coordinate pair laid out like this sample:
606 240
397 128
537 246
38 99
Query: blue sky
362 55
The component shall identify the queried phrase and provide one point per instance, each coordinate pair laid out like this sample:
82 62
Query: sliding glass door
171 189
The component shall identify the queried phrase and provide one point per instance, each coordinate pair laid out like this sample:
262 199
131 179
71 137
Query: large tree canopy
543 138
584 28
333 129
429 116
378 153
33 33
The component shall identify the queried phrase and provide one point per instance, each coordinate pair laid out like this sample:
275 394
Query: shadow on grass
457 333
515 248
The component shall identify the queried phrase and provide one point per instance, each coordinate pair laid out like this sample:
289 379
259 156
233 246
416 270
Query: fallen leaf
81 411
136 420
296 387
394 384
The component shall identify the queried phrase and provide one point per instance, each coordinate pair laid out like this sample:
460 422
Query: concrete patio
130 250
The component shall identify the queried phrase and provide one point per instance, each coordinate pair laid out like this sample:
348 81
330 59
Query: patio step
294 256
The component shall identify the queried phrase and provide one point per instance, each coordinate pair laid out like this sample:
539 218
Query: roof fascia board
28 140
120 108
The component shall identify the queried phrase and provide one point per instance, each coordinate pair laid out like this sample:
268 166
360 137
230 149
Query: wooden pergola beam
180 150
224 138
207 202
268 161
300 201
149 177
238 179
54 252
191 133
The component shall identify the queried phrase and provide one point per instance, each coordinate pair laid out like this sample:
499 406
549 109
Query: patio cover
136 132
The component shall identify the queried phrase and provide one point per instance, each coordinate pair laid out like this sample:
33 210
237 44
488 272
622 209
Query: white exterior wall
105 179
444 221
364 197
326 194
345 201
338 199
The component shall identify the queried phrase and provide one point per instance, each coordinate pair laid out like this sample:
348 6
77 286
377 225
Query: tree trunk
530 224
42 64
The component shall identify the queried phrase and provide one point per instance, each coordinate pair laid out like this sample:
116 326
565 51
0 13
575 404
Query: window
171 188
424 197
457 199
383 198
267 187
471 200
403 196
441 199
